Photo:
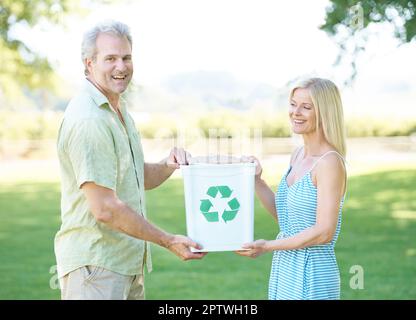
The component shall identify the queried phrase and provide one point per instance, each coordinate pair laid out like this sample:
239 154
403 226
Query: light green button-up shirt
93 145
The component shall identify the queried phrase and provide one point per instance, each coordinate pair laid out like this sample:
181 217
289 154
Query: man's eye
110 59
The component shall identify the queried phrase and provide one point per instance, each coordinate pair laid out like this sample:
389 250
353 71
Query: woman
309 199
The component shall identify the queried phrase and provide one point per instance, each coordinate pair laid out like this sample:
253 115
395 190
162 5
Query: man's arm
157 173
109 209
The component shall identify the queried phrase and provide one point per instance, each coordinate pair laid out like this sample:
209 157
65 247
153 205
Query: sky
255 40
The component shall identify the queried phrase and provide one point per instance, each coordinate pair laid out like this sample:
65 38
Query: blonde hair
329 112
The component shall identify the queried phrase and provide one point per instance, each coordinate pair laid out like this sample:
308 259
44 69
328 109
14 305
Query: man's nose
121 65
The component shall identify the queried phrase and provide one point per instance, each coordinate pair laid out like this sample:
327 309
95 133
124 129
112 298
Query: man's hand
180 245
177 157
255 249
157 173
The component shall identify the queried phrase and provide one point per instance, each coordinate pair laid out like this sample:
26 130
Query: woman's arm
266 196
263 192
330 177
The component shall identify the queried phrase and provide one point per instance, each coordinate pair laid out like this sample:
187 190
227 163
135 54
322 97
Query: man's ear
88 64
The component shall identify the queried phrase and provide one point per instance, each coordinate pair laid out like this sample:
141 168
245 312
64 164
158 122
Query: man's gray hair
89 41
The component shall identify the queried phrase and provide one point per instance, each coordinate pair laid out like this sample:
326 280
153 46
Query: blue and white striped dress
304 274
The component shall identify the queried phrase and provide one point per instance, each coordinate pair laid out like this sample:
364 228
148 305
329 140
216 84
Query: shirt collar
98 97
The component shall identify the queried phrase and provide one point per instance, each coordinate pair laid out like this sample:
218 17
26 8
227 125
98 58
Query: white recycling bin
219 202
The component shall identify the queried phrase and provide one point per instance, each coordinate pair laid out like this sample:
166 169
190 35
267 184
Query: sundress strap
297 154
324 155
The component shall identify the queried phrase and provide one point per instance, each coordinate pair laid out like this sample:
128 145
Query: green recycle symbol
227 215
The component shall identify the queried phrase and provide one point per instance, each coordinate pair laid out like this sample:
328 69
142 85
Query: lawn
378 233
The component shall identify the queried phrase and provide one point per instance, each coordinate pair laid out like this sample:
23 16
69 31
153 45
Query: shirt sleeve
92 153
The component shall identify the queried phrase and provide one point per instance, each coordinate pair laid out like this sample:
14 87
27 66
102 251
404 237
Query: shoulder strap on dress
296 154
324 155
343 162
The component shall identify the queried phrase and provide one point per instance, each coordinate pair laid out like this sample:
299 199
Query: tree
349 22
20 66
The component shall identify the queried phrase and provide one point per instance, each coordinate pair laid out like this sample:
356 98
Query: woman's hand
253 159
255 249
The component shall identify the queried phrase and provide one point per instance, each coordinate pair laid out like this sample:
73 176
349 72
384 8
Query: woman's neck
315 144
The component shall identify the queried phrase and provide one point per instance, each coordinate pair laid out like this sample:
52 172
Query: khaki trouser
96 283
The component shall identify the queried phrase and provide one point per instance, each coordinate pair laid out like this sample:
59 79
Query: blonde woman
309 199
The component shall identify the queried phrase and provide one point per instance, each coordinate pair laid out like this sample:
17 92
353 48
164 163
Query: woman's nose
296 110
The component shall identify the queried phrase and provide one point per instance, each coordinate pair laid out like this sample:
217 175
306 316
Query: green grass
378 233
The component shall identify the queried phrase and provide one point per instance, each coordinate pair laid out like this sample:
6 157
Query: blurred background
214 77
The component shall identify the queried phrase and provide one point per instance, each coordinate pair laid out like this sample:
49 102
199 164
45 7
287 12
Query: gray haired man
103 243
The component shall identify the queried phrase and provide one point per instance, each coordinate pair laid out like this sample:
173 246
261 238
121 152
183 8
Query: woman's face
302 112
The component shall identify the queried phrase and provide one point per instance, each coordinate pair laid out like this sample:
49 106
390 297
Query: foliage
401 13
45 125
349 22
21 66
379 127
29 125
273 125
25 67
223 122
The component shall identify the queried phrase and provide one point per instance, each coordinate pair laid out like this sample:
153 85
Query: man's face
112 68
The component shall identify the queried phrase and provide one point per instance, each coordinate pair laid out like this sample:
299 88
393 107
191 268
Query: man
102 245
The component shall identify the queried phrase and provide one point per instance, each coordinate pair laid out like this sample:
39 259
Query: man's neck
115 103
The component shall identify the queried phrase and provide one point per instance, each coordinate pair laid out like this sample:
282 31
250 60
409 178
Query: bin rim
219 165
